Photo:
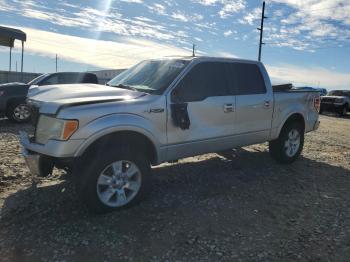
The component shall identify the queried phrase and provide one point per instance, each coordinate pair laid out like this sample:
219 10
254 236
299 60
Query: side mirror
177 95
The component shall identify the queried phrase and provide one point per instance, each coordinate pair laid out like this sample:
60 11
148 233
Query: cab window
206 79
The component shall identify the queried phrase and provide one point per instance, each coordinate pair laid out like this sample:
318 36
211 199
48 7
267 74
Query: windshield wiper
125 87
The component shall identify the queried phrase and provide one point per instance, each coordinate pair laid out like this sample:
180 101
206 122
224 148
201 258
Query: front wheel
287 148
113 180
344 110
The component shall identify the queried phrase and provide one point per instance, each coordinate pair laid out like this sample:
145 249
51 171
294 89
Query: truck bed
290 101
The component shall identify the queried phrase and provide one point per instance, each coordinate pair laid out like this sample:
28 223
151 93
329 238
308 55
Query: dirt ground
207 208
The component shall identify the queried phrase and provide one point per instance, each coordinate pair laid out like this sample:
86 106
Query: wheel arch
13 100
119 137
293 117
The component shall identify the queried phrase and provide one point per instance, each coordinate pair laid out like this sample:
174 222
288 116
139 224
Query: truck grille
328 100
34 110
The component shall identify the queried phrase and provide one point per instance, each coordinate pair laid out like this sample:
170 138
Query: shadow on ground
243 207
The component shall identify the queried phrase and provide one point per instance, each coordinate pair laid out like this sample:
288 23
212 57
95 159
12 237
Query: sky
307 42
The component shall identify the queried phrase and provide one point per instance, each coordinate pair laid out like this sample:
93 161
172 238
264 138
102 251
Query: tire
321 111
100 184
287 154
18 112
344 110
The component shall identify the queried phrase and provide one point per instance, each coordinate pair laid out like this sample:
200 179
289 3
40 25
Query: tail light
317 103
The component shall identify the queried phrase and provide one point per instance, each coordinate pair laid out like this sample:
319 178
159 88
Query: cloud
206 2
180 16
312 22
230 7
104 54
228 33
4 6
226 54
310 76
198 39
89 18
132 1
251 17
158 9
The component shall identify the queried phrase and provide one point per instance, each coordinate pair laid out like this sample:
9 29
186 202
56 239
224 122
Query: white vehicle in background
157 111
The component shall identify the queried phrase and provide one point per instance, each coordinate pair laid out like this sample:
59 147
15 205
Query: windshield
339 93
150 76
37 80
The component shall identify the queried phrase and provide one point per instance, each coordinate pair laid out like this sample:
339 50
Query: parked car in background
13 95
157 111
336 101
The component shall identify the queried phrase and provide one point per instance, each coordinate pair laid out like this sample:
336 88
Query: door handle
266 103
155 110
229 108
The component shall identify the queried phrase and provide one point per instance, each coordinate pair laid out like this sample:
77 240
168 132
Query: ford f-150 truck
157 111
336 100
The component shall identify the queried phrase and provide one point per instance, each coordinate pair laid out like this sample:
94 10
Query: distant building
6 77
105 75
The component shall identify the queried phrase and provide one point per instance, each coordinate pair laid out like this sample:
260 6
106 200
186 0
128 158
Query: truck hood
13 84
342 97
51 98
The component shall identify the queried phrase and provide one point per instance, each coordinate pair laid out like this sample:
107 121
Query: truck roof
211 58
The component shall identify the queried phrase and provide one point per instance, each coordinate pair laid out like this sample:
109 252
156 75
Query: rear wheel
18 112
113 179
287 148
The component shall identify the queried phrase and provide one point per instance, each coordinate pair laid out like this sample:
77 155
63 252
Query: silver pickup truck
157 111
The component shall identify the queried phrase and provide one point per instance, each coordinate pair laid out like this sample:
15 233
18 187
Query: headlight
339 100
54 128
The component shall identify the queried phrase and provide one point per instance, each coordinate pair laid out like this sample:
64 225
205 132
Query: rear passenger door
205 96
254 103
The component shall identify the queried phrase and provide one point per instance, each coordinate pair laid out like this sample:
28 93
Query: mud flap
180 116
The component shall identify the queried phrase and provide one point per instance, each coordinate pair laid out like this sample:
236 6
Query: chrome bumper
32 159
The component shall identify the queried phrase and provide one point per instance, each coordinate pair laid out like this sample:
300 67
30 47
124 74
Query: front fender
114 123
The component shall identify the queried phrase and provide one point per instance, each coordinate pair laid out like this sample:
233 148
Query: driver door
201 111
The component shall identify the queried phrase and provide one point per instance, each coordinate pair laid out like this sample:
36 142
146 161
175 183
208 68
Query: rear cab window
249 79
70 78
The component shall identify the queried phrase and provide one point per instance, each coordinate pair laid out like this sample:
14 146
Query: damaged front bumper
39 165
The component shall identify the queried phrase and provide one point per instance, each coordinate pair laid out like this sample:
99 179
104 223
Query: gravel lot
240 208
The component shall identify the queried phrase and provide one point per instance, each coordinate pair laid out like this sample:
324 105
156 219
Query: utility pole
193 50
56 63
261 29
8 76
16 66
10 59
